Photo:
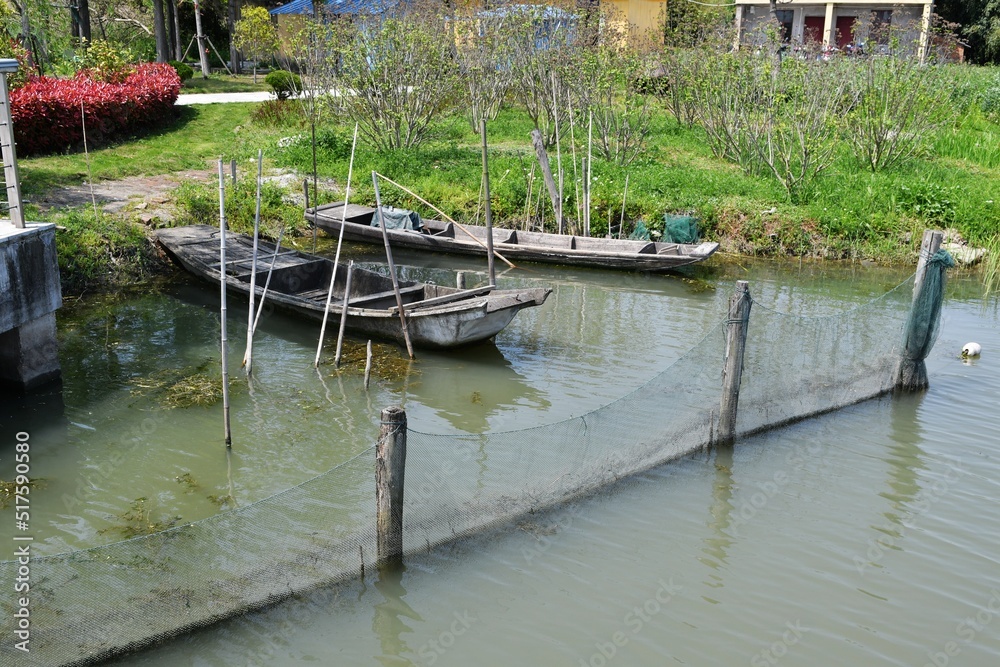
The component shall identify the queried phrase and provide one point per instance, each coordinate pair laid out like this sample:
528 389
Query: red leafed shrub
46 112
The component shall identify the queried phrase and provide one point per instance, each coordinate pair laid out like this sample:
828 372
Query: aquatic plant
137 520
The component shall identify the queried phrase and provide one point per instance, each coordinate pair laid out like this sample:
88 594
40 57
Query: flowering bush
46 112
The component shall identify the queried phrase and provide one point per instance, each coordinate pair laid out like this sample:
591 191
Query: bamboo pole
588 171
732 374
572 143
86 154
392 265
390 468
559 170
343 314
248 355
232 168
222 287
489 210
340 243
445 216
267 283
527 197
621 223
368 364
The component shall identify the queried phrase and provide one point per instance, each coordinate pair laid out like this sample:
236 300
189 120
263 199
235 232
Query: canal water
864 536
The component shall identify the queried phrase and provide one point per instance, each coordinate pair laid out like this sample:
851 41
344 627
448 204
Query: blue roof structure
335 7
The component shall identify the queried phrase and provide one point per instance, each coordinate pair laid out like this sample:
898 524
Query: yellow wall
643 14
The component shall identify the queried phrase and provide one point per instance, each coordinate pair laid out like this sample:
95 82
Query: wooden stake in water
732 375
390 467
368 365
489 210
222 285
248 355
343 314
392 266
340 242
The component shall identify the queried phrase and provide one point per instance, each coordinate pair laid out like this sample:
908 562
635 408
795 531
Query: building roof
335 7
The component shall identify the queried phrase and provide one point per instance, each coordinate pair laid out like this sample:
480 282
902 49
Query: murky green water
866 536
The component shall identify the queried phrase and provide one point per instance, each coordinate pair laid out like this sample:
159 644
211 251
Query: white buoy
970 350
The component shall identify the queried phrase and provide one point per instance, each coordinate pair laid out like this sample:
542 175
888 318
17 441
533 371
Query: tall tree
234 54
172 38
160 31
83 8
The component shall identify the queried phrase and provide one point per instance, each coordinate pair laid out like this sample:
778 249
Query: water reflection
716 544
905 459
470 385
389 621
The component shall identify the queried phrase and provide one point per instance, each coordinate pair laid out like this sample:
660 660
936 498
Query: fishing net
88 605
680 228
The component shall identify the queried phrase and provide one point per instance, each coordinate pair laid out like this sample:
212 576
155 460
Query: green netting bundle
923 324
640 233
399 218
680 228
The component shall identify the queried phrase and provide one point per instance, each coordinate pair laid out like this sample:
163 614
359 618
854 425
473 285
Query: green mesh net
91 604
680 228
924 322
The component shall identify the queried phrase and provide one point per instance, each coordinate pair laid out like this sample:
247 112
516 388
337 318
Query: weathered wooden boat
436 316
438 236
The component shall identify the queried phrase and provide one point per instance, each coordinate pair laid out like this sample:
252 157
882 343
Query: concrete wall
29 296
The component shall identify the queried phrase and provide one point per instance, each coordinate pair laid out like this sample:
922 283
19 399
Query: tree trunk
173 40
84 9
234 54
160 31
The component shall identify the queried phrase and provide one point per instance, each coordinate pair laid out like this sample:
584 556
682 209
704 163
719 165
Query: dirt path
151 198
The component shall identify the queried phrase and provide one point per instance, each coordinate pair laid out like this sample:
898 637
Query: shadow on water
389 622
41 414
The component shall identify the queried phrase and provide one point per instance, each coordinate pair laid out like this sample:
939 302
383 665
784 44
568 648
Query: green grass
848 212
198 135
223 83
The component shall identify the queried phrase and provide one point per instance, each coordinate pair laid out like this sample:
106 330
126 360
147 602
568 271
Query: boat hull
301 289
618 254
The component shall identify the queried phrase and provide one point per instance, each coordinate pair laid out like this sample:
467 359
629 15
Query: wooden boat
513 244
436 316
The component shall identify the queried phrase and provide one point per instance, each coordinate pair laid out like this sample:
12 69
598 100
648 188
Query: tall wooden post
390 464
732 373
550 183
912 373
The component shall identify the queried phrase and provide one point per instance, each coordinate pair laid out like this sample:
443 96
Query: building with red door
845 26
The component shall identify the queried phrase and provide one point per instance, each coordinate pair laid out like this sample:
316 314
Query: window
881 21
785 17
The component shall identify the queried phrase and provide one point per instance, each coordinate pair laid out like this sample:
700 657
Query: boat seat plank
445 298
370 298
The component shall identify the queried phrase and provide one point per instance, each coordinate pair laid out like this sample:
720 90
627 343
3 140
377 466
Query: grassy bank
849 212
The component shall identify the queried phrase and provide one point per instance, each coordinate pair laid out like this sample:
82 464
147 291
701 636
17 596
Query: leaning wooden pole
390 467
248 355
550 183
489 210
222 284
340 243
343 314
392 266
732 374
